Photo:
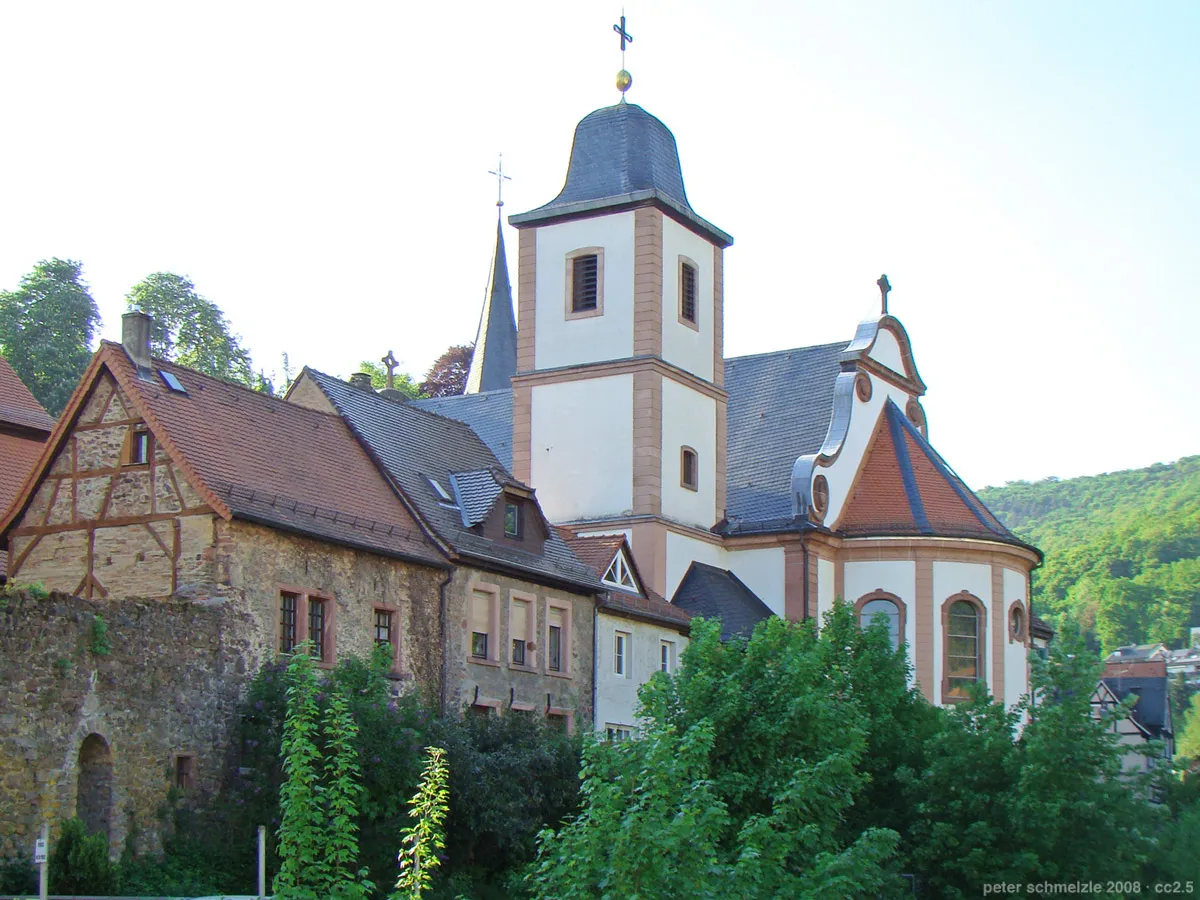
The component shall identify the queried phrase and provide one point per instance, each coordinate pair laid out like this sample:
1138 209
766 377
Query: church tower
495 356
618 405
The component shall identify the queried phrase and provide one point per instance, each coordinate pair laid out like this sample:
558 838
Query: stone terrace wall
169 684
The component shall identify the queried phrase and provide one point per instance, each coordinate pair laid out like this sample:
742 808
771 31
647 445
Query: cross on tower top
885 288
624 79
626 37
500 179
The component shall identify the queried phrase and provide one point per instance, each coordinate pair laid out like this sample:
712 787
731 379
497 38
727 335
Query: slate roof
494 361
18 406
779 408
905 487
719 594
489 413
1151 709
622 155
413 445
264 460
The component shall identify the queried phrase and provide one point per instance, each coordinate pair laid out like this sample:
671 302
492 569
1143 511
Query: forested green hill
1122 549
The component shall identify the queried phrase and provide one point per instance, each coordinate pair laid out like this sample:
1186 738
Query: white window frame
668 649
622 646
620 574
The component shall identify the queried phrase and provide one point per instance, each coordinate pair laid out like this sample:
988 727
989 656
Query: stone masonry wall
168 684
500 684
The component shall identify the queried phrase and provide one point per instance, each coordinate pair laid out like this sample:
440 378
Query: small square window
618 732
512 520
688 469
138 449
479 644
383 627
585 283
185 771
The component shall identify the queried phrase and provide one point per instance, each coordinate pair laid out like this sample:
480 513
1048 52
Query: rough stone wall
500 684
255 562
168 684
98 526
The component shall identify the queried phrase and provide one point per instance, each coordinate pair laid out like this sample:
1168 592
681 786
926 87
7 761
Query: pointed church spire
495 359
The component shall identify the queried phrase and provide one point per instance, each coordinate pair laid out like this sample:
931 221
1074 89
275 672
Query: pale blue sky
1025 173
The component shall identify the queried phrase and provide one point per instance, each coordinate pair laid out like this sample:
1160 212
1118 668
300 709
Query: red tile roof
909 489
597 552
262 459
17 405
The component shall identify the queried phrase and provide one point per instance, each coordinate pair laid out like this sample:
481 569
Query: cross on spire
885 288
390 362
626 37
500 179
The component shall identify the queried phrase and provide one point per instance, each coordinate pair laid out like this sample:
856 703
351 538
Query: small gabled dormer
495 506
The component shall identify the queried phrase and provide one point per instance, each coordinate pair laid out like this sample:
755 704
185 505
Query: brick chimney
362 381
135 337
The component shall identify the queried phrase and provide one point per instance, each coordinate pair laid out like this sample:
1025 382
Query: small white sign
39 852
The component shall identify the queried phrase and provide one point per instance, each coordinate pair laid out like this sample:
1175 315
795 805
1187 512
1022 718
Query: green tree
304 870
448 375
79 862
750 760
192 330
1187 747
47 326
421 844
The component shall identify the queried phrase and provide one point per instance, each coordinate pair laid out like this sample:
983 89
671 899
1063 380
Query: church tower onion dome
621 157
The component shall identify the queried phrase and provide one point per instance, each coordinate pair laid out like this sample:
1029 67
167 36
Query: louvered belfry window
687 292
585 282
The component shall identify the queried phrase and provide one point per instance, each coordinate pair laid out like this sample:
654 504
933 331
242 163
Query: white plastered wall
581 433
825 594
858 436
688 348
760 569
559 341
689 419
887 351
950 578
1016 658
897 577
616 696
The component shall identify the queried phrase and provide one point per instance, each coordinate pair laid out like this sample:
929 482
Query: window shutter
519 625
481 619
584 283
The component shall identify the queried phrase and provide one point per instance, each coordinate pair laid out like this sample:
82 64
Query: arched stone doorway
93 799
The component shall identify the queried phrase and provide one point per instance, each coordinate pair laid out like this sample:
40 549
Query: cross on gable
885 288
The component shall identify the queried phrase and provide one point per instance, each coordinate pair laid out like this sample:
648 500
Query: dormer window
688 469
619 574
689 281
512 519
585 282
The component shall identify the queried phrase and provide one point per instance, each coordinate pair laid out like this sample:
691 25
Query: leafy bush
79 862
18 876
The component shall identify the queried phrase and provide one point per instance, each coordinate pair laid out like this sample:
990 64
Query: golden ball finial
624 80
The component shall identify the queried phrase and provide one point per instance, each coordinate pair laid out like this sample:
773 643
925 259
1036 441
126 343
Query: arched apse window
880 603
963 644
93 797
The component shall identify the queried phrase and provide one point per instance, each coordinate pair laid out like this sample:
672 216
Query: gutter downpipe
445 646
595 657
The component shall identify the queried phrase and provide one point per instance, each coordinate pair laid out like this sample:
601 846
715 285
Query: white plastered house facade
744 487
